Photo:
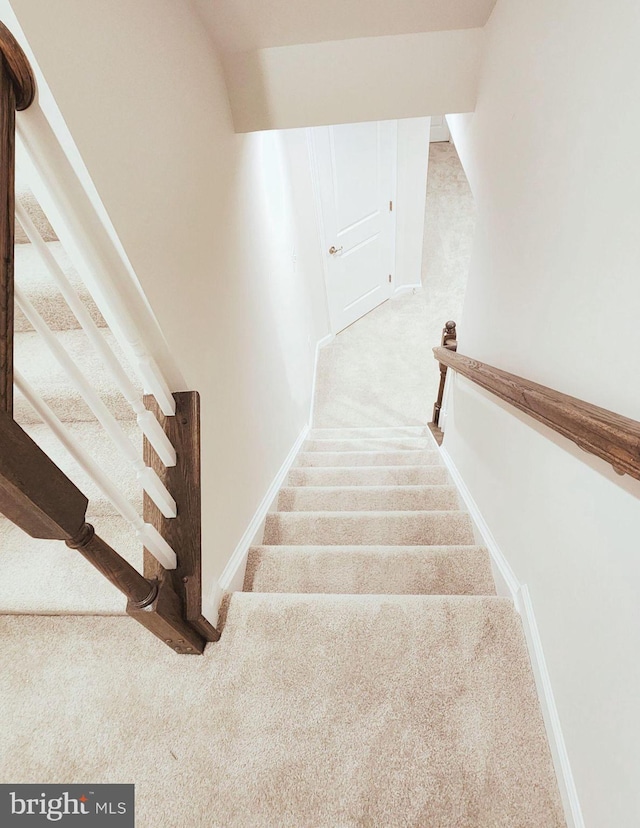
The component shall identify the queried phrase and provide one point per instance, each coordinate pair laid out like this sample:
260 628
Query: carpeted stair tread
378 528
92 438
367 498
43 372
367 433
396 570
407 457
34 211
368 444
34 279
321 711
41 576
368 476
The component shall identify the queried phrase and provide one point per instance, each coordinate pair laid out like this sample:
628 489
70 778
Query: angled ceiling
247 25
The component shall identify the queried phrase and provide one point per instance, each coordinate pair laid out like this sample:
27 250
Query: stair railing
145 419
609 436
35 494
450 342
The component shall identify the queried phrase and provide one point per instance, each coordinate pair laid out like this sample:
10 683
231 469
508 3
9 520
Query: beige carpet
30 203
312 711
367 676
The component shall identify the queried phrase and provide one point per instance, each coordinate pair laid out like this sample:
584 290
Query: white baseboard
506 582
402 289
566 784
232 577
319 345
508 585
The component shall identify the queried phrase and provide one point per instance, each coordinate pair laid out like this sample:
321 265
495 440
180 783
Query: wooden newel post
17 91
136 587
7 200
39 498
449 341
153 602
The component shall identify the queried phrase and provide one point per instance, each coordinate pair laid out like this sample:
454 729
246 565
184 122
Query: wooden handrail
610 436
19 69
17 91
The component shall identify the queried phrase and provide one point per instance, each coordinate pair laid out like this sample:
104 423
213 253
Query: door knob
333 250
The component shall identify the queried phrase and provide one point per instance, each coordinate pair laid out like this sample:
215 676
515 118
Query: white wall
345 81
216 232
411 193
244 25
553 295
439 129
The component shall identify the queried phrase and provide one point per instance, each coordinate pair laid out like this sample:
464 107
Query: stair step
46 577
42 371
93 438
367 498
366 433
376 528
368 444
369 476
35 212
33 277
368 458
427 701
395 570
313 711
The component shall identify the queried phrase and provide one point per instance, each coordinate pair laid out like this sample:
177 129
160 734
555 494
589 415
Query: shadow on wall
265 327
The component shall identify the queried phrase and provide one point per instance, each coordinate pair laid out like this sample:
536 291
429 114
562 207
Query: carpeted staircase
369 511
368 674
401 680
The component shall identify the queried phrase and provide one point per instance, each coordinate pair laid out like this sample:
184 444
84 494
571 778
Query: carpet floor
318 711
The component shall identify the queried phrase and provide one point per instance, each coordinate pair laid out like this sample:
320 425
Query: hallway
380 371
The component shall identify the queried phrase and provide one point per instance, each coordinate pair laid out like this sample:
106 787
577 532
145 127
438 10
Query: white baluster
64 196
148 478
146 419
152 379
148 534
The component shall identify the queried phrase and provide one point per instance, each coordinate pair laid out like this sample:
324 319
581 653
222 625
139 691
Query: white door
356 168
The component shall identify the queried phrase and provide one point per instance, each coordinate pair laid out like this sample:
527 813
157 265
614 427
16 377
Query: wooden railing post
7 199
448 341
17 91
183 531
